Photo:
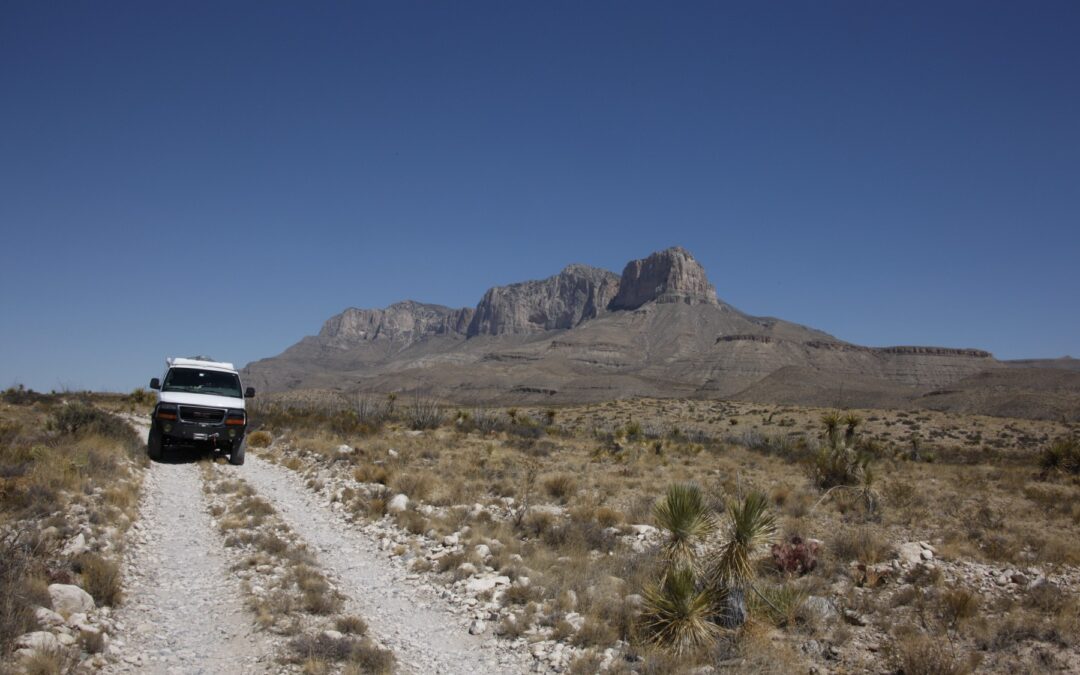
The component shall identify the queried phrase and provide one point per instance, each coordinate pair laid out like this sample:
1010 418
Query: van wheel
154 445
236 457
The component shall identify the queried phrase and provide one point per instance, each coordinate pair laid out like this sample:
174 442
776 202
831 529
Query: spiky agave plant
677 613
687 519
753 525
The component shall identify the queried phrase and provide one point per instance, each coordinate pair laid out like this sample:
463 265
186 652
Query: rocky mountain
658 330
576 294
403 323
671 275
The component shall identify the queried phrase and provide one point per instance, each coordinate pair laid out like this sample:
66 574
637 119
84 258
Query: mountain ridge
586 334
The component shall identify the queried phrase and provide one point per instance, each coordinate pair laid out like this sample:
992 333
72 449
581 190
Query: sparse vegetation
550 503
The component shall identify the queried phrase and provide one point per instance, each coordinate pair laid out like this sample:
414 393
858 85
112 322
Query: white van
199 403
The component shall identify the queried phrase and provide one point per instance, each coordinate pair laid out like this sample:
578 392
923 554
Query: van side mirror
250 393
155 383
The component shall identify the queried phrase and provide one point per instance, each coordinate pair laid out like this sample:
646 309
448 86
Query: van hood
187 398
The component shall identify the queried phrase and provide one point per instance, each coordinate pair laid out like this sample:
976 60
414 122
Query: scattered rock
76 546
820 607
910 553
575 620
48 618
398 504
854 618
68 599
481 584
477 627
40 641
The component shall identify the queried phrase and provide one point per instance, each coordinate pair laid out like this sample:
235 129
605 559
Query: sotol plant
696 595
688 521
678 612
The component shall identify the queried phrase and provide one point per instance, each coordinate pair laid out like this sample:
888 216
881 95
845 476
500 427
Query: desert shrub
1061 455
80 419
259 439
424 414
607 517
416 485
373 473
795 556
560 487
20 395
959 603
141 396
100 578
351 625
361 653
862 544
922 655
677 613
22 580
780 604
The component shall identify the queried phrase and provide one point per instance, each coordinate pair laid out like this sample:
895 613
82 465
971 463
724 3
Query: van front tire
154 445
236 456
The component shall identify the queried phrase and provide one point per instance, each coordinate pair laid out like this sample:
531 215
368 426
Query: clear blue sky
220 178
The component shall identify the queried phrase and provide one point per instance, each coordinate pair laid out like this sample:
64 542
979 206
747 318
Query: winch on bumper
220 427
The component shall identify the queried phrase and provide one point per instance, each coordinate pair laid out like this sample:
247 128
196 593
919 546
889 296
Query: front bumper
218 435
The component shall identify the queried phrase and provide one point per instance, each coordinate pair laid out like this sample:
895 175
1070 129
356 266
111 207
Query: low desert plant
687 519
923 655
100 578
259 439
795 556
753 524
424 414
677 613
1061 455
560 487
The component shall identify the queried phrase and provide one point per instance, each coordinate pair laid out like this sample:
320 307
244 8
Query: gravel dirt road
184 610
426 634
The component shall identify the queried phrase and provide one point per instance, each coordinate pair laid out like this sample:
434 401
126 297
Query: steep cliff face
576 294
671 275
403 322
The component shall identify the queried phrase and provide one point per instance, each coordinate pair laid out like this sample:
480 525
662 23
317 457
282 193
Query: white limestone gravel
184 611
426 634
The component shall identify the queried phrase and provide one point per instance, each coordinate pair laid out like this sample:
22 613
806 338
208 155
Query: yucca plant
851 423
831 422
677 613
687 519
753 525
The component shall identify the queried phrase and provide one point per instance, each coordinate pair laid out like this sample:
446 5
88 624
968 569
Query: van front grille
189 413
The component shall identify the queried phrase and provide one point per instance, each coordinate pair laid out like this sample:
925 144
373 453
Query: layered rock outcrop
671 275
576 294
403 322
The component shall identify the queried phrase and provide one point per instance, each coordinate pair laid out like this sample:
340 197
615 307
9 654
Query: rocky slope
586 334
576 294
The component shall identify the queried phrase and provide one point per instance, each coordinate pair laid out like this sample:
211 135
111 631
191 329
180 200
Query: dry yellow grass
969 485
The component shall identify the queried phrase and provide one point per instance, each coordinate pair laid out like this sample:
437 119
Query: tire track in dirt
426 636
184 612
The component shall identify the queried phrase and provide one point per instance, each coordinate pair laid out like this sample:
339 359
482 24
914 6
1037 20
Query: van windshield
199 381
